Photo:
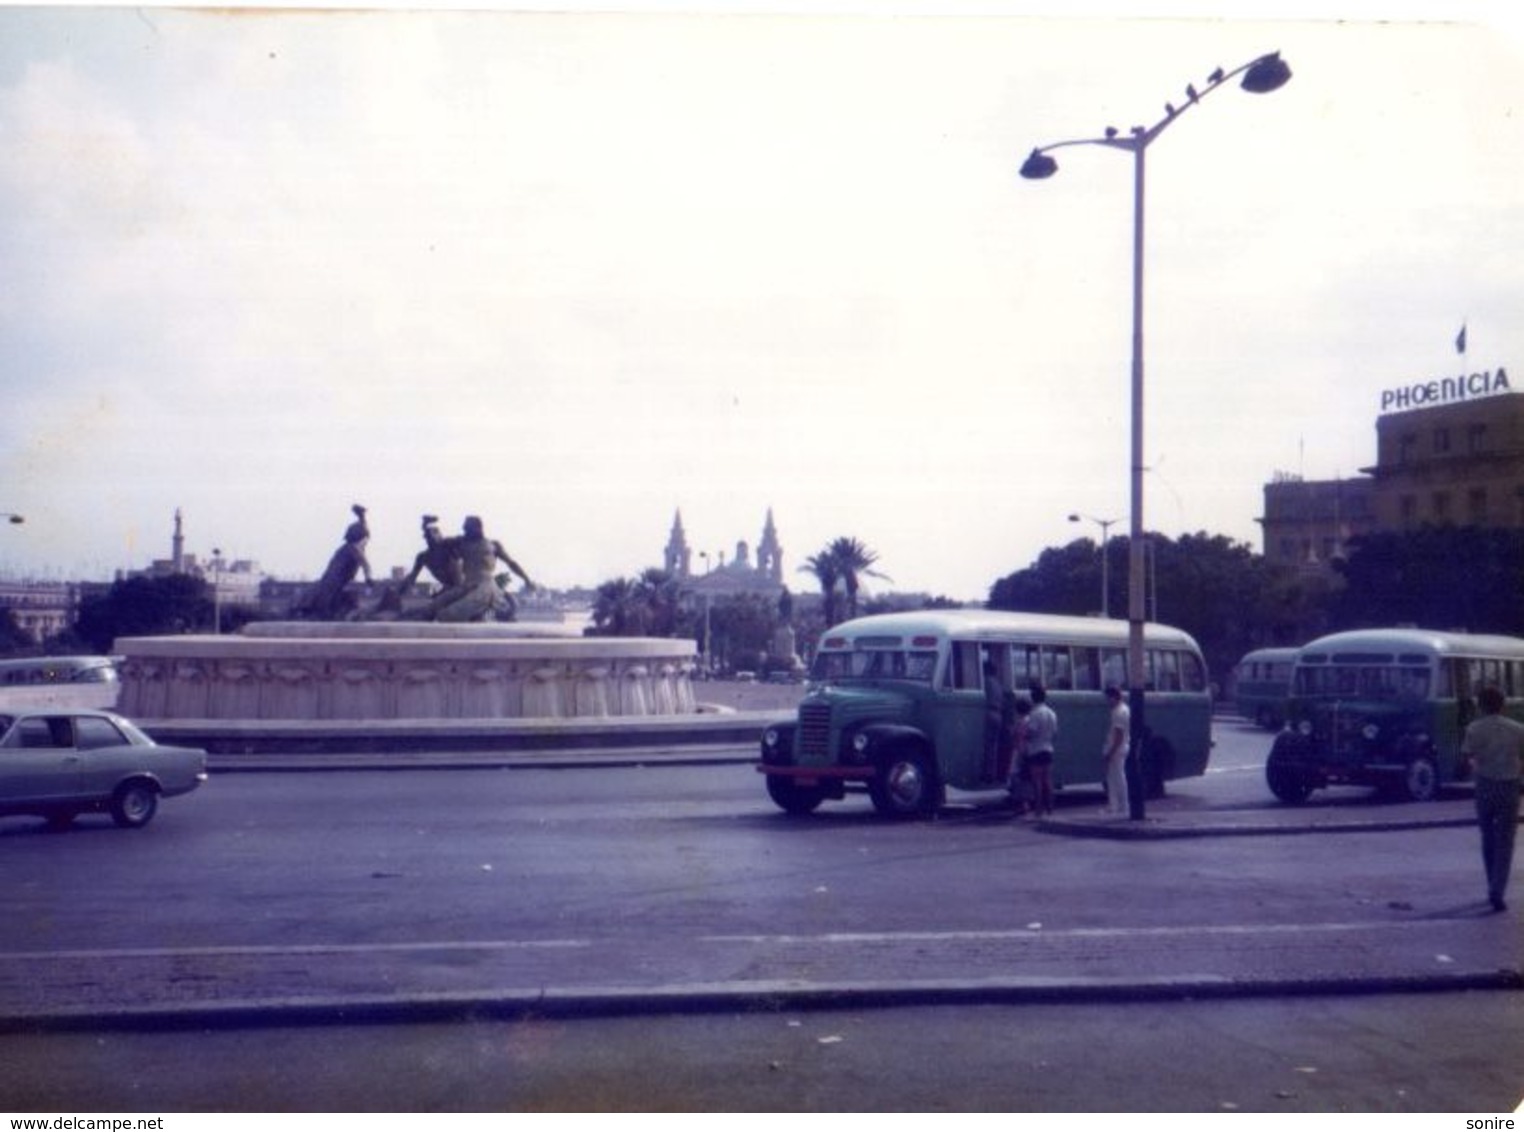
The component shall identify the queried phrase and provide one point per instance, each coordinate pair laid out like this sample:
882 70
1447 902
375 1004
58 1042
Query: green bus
896 706
1387 708
1261 683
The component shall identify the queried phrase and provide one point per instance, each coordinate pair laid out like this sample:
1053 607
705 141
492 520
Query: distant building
1439 462
235 582
41 609
740 575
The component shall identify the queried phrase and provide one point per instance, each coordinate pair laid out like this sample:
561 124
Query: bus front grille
815 733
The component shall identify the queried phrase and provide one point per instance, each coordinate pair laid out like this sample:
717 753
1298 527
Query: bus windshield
1363 681
840 667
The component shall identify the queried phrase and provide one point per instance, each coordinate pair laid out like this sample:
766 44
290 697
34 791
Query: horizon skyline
578 271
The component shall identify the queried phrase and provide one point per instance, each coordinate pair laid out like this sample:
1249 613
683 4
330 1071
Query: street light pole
1105 525
1260 76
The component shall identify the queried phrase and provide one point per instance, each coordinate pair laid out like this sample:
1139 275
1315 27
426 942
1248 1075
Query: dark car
59 764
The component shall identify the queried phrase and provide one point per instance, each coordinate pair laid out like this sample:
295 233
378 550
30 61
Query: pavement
1397 948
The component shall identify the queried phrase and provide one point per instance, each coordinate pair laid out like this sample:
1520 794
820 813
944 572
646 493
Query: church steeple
769 553
678 557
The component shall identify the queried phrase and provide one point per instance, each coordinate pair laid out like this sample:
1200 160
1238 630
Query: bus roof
1005 625
57 662
1284 653
1434 642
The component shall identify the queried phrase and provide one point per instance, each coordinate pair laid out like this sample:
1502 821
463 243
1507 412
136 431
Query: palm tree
657 593
853 561
828 573
616 608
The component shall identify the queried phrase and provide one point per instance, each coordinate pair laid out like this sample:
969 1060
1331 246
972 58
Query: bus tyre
1420 780
792 798
904 786
1286 782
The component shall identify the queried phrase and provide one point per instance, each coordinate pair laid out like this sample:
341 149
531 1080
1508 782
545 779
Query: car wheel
1286 782
134 804
1420 781
792 798
904 786
60 820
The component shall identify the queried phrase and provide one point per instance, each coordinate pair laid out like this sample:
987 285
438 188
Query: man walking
1494 747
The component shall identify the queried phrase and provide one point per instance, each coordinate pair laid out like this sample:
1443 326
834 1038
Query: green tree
144 606
13 638
647 606
1466 578
741 630
827 572
1222 593
854 561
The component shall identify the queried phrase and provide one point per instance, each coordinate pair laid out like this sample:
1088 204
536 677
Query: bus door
956 725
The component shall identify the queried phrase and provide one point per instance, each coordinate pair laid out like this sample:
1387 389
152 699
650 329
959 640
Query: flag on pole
1460 340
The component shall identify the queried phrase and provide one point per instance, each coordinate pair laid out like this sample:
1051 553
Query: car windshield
1362 681
842 666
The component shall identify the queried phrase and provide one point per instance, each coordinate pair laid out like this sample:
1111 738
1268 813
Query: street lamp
708 600
12 517
217 591
1260 76
1105 525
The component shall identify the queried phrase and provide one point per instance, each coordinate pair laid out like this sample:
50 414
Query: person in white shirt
1118 746
1042 730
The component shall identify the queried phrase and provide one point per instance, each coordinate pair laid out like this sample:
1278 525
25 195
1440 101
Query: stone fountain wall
306 671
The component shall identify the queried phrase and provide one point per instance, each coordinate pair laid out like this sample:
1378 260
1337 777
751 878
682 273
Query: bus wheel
903 786
1421 779
1285 781
792 798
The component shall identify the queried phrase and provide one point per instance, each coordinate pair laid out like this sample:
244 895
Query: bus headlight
860 742
1305 727
1370 731
770 738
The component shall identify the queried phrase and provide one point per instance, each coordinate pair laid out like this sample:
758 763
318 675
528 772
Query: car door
38 760
104 753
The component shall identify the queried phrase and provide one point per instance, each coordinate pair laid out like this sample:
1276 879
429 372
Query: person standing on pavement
1018 784
1042 731
1114 754
1494 747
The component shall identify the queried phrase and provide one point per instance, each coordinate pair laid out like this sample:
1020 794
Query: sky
577 272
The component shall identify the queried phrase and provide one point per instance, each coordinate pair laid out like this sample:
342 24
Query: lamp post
1105 525
708 600
1260 76
217 591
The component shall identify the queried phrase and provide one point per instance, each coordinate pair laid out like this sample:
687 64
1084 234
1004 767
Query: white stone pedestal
403 670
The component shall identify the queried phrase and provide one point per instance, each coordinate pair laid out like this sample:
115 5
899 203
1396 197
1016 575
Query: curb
772 997
1154 829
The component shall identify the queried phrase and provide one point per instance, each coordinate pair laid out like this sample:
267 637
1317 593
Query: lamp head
1038 166
1267 73
16 518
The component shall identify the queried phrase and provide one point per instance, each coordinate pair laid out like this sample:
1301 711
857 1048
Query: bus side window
1086 670
1192 675
1057 669
1000 657
963 669
1167 671
1114 668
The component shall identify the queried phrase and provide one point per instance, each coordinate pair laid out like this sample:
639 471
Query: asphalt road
454 905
